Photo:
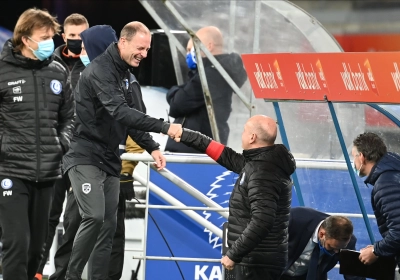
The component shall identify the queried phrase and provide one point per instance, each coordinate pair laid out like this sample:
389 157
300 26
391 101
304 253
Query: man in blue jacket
315 240
382 169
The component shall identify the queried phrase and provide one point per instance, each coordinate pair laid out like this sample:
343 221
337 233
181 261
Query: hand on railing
160 161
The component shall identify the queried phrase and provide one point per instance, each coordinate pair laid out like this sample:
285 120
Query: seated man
186 101
315 240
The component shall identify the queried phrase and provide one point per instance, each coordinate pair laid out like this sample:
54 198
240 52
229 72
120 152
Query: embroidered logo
86 188
17 90
55 86
6 184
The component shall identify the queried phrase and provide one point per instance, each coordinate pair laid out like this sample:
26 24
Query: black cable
165 240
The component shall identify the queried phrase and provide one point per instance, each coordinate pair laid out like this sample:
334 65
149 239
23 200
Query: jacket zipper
37 126
44 94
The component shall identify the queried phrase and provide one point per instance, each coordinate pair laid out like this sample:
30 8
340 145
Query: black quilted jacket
259 204
36 113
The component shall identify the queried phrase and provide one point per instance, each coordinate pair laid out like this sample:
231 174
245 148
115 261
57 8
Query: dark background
155 70
113 12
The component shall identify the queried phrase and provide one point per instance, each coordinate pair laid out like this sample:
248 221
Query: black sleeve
144 140
110 94
66 116
225 156
263 191
185 98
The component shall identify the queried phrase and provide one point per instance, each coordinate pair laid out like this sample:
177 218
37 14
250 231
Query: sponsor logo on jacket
19 82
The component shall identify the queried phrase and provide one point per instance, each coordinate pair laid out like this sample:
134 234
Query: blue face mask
85 59
324 250
357 171
191 60
45 49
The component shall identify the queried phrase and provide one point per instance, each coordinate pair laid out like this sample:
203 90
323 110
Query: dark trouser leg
101 254
39 209
72 220
97 196
60 187
253 273
24 215
118 245
14 221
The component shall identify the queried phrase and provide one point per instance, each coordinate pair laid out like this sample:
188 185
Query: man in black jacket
96 40
68 55
260 201
186 101
35 129
315 240
382 169
93 163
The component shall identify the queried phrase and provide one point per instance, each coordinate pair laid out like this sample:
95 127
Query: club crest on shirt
56 87
86 188
6 184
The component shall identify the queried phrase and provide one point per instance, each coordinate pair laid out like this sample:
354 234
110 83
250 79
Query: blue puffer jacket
385 177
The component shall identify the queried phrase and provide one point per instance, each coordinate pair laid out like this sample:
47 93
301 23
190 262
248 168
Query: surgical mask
357 171
45 49
191 60
85 59
75 46
324 250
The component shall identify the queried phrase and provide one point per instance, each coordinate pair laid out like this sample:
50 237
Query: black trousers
241 272
60 188
24 219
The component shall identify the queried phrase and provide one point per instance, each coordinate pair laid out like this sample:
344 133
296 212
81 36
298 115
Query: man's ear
25 40
253 138
63 36
321 233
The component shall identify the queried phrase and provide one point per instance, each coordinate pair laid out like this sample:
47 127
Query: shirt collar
315 235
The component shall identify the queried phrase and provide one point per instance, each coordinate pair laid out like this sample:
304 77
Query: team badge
56 86
6 184
86 188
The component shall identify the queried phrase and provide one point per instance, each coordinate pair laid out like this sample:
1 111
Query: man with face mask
69 52
382 169
186 101
315 240
69 55
36 112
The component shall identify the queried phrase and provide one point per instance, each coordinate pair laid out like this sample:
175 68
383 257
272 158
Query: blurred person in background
69 55
36 115
186 101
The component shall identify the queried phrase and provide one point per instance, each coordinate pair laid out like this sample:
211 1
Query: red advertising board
338 77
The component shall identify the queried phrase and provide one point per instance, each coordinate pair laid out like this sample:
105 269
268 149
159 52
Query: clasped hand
175 131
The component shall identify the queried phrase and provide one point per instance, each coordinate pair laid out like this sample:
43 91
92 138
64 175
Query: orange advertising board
339 77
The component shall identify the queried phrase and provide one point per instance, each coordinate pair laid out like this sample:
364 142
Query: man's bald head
131 28
211 37
259 131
